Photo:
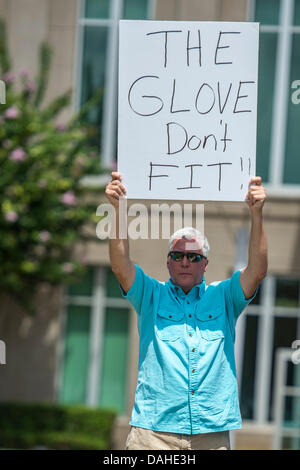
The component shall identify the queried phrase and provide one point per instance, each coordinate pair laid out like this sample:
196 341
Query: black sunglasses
192 257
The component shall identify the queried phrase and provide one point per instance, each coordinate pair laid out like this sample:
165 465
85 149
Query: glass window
292 160
97 8
135 9
249 362
267 63
283 326
93 75
270 14
76 356
297 13
257 298
101 72
285 330
84 285
114 360
267 12
112 285
287 293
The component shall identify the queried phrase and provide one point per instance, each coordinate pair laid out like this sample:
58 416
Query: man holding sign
187 395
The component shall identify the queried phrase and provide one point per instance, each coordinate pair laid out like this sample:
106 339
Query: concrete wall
31 348
32 342
31 22
201 10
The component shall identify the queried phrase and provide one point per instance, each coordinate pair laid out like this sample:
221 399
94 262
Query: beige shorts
146 439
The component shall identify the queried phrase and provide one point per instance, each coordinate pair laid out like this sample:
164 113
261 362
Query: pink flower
11 216
67 268
30 87
45 236
12 113
68 198
8 77
17 155
60 127
24 74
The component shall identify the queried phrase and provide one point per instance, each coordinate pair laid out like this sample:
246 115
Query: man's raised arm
121 265
257 266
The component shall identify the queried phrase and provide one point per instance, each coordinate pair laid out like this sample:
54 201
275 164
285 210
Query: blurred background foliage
43 207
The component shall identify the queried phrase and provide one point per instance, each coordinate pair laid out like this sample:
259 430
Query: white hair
188 233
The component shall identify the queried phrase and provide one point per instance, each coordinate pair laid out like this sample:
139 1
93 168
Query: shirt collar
200 288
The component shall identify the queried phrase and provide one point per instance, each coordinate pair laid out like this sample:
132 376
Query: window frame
266 312
285 29
98 301
110 111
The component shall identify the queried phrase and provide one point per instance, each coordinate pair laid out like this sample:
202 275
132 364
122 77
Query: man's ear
206 265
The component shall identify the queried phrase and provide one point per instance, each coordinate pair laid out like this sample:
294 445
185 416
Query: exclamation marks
242 169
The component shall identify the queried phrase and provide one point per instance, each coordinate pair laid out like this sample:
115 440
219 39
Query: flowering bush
42 161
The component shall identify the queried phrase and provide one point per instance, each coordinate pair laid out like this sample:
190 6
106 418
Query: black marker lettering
206 137
188 48
144 96
223 47
197 98
157 176
166 42
225 138
179 126
221 108
238 97
220 171
172 101
190 140
191 178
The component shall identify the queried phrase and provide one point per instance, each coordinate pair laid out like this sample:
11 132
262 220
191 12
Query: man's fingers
117 186
115 175
256 180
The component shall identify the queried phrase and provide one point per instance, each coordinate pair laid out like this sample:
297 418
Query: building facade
83 345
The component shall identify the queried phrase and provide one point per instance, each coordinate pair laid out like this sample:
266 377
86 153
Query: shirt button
190 315
193 392
170 316
190 334
193 350
209 316
187 302
193 370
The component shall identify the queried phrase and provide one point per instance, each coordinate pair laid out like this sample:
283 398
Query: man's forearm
258 256
118 246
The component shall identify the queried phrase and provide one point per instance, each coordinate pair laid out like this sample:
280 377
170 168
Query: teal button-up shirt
187 377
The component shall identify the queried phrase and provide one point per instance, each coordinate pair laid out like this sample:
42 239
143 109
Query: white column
96 338
281 93
264 352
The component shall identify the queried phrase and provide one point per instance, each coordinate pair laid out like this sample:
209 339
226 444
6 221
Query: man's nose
185 261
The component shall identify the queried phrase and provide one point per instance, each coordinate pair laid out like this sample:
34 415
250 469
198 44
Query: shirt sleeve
237 294
141 293
235 299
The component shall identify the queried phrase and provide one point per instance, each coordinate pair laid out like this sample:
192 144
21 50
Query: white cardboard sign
187 109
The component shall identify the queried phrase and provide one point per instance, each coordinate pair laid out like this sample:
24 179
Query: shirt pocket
169 325
211 323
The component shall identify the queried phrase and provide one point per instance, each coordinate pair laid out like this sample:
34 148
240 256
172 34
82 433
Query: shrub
25 426
43 205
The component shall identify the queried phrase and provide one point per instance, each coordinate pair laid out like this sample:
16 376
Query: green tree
43 205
